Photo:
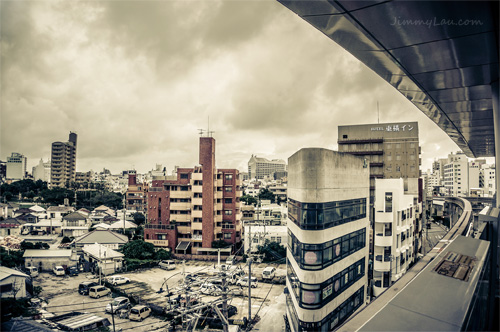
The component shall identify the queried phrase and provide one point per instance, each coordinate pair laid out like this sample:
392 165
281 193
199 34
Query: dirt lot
62 295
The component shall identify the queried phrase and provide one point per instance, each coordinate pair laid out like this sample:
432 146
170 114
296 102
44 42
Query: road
434 235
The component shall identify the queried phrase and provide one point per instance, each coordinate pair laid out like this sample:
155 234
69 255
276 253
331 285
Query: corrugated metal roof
47 253
5 272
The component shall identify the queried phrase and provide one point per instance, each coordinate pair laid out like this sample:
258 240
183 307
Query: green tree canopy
272 251
139 218
266 194
249 200
139 249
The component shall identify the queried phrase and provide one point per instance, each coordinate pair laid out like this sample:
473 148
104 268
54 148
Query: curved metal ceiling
441 55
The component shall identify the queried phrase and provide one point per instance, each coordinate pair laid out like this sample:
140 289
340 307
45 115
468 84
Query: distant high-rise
63 162
42 171
259 168
16 166
327 257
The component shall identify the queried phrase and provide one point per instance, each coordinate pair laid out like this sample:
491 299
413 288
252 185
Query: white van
269 273
32 271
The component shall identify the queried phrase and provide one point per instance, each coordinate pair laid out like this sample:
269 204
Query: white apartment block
487 180
394 240
42 171
16 166
456 175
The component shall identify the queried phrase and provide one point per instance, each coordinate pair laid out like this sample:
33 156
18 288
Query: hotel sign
395 127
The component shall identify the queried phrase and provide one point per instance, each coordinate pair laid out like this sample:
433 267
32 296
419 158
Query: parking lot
267 299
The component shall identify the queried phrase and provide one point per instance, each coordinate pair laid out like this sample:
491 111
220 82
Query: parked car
167 265
139 312
118 304
243 282
85 286
117 280
210 289
210 312
269 273
72 271
32 271
58 270
98 291
233 276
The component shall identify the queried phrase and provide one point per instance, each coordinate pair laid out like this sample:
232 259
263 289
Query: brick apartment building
186 212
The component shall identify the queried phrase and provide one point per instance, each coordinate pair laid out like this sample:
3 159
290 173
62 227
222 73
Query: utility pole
224 301
249 291
113 316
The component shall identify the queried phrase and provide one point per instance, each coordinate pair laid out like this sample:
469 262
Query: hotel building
327 256
259 168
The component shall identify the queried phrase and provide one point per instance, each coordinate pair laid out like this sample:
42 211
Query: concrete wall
18 283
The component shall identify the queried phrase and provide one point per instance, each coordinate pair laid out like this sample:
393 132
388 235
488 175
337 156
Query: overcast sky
136 80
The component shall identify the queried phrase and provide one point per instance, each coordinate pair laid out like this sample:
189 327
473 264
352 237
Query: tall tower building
63 162
327 255
188 211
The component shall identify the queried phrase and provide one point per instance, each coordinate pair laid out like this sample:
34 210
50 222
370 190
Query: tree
272 251
139 218
162 254
266 194
12 258
139 249
249 200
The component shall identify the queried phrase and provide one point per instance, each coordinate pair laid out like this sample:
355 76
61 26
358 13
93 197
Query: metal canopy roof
441 55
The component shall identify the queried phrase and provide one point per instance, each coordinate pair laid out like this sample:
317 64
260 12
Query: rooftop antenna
378 112
201 132
209 133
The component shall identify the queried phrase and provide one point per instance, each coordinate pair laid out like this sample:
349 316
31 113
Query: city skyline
136 82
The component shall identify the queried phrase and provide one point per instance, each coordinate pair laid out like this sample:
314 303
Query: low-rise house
75 224
12 283
45 260
4 211
11 226
120 226
104 237
44 226
102 258
57 212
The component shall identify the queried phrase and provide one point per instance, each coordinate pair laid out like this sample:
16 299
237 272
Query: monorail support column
495 260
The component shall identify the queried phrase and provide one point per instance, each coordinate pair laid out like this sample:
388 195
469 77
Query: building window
314 216
5 288
228 212
228 189
398 169
320 256
315 296
184 176
388 202
229 176
227 235
228 200
344 136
